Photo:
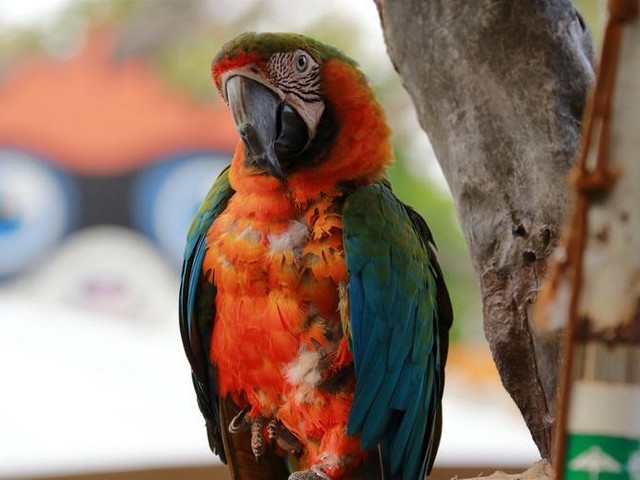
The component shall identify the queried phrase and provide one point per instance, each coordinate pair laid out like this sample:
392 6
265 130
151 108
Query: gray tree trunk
499 87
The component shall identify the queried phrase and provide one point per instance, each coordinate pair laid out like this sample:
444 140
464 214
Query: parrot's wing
399 319
197 308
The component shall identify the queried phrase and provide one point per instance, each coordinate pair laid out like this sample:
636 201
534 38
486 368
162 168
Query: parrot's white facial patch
304 370
296 75
293 238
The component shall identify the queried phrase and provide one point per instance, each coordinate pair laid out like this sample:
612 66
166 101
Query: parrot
313 311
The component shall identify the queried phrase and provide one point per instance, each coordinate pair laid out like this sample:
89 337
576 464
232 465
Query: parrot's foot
240 423
276 434
313 474
273 429
258 445
283 438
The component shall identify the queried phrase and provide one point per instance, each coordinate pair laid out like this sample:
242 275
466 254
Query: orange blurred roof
91 114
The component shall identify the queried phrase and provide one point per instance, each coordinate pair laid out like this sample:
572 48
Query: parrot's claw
283 438
258 445
276 434
240 423
313 474
273 430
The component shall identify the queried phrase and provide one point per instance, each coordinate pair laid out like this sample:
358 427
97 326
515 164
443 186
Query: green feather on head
266 44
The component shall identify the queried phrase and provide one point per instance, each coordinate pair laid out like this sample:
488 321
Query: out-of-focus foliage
592 11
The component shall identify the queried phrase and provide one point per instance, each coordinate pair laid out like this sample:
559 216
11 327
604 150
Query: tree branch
499 87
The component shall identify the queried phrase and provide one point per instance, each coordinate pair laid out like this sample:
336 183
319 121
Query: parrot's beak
272 131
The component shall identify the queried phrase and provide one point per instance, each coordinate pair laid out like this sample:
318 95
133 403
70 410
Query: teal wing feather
400 315
197 307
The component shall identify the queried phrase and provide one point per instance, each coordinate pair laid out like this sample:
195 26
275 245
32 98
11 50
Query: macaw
313 311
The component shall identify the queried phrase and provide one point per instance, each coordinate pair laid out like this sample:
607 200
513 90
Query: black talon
239 423
289 442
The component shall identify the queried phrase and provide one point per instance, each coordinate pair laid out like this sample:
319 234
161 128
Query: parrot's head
300 104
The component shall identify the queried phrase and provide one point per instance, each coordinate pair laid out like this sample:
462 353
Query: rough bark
499 87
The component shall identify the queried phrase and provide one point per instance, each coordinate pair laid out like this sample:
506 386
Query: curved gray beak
271 130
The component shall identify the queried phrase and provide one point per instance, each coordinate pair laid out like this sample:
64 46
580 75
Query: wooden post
594 285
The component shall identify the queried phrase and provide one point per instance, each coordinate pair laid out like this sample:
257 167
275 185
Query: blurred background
110 134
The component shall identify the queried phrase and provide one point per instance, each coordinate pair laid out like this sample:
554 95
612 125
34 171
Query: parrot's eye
301 62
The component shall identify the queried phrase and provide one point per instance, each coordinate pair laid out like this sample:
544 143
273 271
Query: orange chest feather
277 290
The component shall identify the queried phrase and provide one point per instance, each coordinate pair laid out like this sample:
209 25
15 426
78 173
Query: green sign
599 457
